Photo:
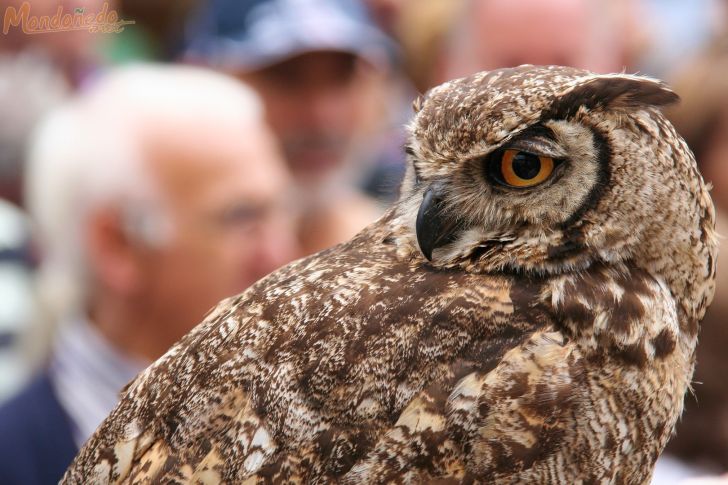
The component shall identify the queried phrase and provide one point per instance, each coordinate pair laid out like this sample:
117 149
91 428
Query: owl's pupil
526 165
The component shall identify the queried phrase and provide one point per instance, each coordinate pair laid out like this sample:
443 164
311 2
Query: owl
526 312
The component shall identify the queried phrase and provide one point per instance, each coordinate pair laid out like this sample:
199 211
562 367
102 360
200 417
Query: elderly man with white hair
155 194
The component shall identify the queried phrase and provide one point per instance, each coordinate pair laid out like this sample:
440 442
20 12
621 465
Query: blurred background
166 155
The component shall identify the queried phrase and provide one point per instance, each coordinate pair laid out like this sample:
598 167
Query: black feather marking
604 175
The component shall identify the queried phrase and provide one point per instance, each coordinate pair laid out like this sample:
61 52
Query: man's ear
613 91
113 257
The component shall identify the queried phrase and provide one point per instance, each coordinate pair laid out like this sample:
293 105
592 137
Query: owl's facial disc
525 189
525 164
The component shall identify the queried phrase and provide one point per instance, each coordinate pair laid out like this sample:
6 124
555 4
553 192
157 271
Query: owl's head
550 169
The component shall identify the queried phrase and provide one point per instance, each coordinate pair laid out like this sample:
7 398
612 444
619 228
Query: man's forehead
310 65
199 157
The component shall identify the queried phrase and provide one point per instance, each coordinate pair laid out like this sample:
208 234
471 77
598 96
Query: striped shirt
87 372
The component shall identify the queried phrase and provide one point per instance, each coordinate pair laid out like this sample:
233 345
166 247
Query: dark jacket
36 444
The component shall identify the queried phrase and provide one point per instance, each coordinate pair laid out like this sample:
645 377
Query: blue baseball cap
254 34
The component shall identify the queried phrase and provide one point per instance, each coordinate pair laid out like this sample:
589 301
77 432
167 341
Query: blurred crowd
152 168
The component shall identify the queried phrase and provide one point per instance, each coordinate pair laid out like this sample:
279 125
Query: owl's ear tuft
632 91
417 104
614 92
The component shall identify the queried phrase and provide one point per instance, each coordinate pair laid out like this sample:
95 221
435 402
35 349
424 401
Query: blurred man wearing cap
319 66
155 195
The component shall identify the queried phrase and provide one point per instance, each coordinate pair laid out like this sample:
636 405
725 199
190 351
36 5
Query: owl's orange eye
523 169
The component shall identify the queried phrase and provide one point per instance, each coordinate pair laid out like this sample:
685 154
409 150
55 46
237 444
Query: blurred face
505 33
224 186
317 104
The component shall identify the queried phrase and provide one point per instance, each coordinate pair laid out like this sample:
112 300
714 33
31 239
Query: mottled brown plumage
550 339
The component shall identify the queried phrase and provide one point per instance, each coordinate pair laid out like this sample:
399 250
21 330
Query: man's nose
325 109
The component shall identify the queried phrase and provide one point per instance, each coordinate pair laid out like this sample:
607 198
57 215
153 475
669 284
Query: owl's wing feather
358 365
572 400
492 424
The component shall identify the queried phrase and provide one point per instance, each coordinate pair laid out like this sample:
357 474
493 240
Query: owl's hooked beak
435 228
